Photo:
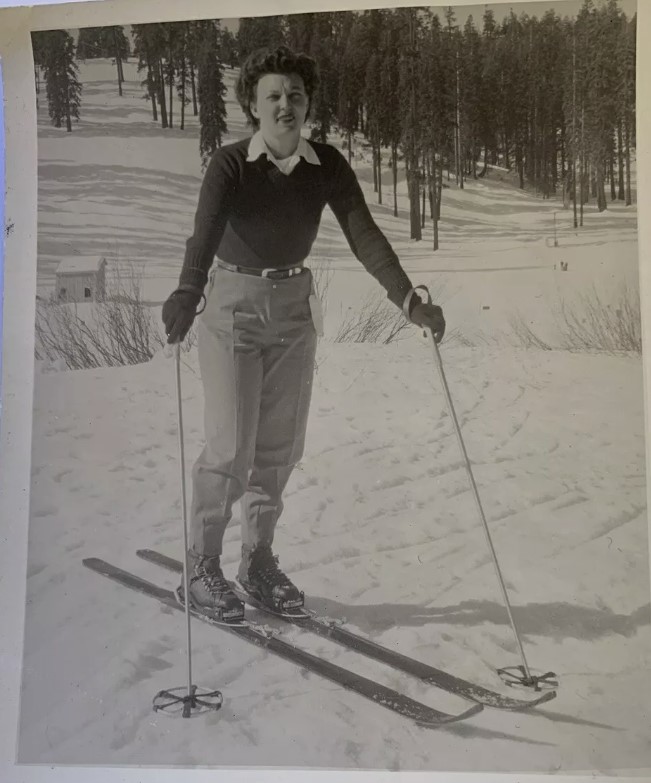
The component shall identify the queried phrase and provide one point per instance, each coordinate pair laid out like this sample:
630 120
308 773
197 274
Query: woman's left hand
429 316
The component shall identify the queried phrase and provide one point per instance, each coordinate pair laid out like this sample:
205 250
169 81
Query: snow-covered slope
379 527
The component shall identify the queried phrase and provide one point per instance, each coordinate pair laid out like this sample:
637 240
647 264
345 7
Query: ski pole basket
177 701
517 677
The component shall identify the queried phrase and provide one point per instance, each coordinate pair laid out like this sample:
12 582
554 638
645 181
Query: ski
422 714
334 631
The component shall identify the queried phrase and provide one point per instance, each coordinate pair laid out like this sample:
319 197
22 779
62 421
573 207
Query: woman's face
280 105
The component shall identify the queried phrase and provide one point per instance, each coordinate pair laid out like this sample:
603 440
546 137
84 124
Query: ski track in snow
379 525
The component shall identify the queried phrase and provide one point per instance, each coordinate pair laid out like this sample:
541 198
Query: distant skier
259 210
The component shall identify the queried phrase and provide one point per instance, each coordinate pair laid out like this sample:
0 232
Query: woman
259 210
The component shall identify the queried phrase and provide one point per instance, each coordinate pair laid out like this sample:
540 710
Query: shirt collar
258 146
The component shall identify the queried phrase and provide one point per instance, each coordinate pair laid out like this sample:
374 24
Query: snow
380 526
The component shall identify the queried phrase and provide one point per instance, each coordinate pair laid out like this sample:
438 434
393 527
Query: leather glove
429 316
179 312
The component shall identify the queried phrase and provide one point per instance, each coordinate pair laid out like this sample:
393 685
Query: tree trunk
519 163
394 164
170 77
482 173
423 209
373 150
68 119
582 163
439 191
118 61
379 174
600 187
611 174
350 148
183 86
621 194
161 95
581 190
432 178
152 91
431 184
195 108
414 200
574 191
627 158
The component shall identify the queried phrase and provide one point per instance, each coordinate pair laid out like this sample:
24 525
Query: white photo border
20 162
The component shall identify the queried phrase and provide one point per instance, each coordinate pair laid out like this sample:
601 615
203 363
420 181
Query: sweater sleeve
366 240
213 209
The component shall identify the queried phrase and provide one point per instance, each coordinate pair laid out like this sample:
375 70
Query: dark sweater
253 215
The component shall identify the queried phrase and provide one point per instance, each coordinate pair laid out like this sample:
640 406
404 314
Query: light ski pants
257 344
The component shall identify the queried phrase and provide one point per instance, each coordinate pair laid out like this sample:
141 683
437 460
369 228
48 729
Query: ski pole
184 512
197 699
439 364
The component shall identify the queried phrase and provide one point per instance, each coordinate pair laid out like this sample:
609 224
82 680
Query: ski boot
210 592
261 578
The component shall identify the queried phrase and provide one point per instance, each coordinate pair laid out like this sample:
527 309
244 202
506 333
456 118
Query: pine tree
211 90
472 92
372 95
182 59
88 45
259 32
148 47
411 139
318 35
439 114
626 104
489 90
114 44
229 50
390 119
351 78
104 42
56 51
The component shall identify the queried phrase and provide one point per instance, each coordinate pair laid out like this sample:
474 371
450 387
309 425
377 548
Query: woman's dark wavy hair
281 60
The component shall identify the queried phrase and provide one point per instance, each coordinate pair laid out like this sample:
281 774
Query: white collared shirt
258 146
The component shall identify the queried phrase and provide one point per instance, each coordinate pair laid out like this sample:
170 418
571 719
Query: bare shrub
590 324
322 276
120 329
376 321
470 339
596 325
524 335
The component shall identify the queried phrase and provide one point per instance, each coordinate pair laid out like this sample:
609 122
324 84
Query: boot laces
212 578
266 566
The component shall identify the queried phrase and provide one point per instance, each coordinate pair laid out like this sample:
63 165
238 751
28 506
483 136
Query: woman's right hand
179 312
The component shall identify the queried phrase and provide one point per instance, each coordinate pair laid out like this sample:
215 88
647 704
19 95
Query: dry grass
590 324
116 331
379 321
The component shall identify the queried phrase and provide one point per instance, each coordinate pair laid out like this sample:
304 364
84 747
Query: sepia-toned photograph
338 453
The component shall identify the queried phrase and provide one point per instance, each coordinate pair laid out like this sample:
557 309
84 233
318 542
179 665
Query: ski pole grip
426 289
427 332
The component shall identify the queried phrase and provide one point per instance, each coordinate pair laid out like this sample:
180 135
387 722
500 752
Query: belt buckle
265 272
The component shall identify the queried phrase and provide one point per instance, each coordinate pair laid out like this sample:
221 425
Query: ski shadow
372 620
557 620
467 730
